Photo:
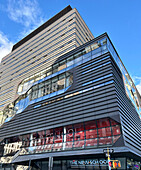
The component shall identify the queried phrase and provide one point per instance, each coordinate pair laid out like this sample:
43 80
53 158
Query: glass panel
61 82
69 137
79 127
49 136
41 92
47 89
104 132
12 140
26 139
78 59
69 129
20 88
103 123
113 122
91 142
77 55
58 135
79 136
116 130
91 134
57 165
45 165
40 137
54 84
105 141
68 145
86 56
69 80
57 147
88 49
70 61
35 87
62 65
49 72
48 148
90 125
55 68
115 138
78 144
94 46
34 94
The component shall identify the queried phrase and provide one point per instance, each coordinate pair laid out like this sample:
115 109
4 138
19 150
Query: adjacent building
71 98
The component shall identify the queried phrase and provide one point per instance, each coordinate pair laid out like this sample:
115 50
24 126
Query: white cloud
137 81
25 12
139 87
5 45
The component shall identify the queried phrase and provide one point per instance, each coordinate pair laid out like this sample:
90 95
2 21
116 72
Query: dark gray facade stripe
104 103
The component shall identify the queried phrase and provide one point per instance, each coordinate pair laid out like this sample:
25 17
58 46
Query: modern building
68 109
37 51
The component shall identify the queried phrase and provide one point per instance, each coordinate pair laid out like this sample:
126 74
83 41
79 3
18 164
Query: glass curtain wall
96 133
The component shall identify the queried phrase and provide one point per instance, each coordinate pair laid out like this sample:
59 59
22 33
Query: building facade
75 107
59 35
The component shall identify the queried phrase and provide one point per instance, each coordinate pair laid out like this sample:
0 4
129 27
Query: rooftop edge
42 27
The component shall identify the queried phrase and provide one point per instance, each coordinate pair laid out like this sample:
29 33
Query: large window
52 85
96 133
84 55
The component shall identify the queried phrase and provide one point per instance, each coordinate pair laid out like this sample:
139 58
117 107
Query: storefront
76 163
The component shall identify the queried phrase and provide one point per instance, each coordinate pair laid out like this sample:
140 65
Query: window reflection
49 136
103 132
91 142
82 55
77 136
103 123
105 141
52 85
91 134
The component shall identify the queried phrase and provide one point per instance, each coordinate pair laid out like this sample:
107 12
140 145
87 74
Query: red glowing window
79 136
41 134
78 127
105 141
49 132
115 138
57 146
58 139
68 145
91 142
69 137
116 130
40 141
103 132
78 144
103 123
91 134
90 125
49 140
113 122
48 148
58 131
69 129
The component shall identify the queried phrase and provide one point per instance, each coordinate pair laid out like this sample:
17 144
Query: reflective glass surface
96 133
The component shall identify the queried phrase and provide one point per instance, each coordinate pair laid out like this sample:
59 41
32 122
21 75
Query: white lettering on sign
94 162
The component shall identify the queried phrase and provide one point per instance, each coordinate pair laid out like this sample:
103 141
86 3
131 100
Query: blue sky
121 19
